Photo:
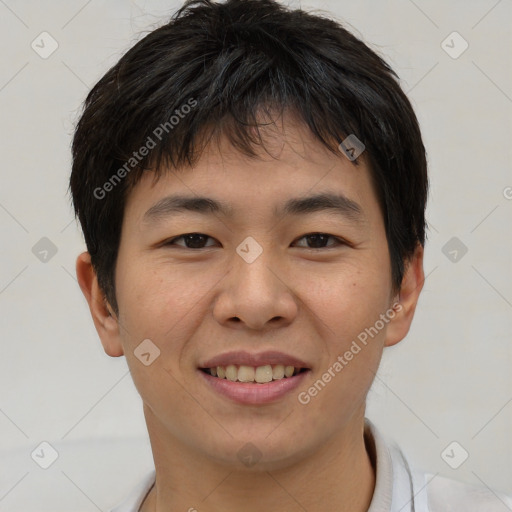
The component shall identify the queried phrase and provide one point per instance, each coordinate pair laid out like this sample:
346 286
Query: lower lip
254 393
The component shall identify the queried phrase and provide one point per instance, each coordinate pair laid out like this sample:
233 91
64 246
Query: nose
256 294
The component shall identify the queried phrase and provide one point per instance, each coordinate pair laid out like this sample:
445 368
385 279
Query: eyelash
339 241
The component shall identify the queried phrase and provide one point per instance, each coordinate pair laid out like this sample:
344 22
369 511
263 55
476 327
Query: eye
192 240
318 240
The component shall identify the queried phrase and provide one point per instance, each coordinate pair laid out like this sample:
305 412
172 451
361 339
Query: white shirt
398 488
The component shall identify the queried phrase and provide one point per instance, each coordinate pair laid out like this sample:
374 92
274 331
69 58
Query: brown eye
192 240
319 240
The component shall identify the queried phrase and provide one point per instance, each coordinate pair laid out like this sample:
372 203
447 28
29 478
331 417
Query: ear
412 284
103 317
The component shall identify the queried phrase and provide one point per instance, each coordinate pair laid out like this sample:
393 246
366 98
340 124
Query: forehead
291 164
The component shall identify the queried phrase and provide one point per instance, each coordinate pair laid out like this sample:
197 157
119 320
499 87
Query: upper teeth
260 374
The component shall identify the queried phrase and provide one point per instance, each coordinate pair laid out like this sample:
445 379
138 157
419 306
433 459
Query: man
251 182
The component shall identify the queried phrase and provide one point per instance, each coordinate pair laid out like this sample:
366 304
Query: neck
339 475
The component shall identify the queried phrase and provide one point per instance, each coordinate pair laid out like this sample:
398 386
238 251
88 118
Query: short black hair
209 71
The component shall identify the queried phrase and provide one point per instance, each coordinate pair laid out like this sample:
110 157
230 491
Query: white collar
398 488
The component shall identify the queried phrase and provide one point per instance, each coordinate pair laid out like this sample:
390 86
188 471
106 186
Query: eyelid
339 241
171 241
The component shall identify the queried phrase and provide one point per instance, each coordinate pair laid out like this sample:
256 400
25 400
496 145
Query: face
304 283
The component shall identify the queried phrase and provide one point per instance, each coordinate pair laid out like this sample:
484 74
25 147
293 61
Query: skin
311 303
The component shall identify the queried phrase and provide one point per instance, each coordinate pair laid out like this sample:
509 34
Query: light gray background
450 379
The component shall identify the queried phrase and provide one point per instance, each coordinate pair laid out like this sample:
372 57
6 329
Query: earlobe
412 284
104 319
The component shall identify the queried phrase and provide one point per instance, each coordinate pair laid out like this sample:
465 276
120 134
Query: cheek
162 302
350 295
155 304
349 304
352 345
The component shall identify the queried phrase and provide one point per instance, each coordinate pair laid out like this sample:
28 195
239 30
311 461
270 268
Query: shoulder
448 495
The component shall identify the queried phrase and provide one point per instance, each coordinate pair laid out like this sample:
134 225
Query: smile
250 391
258 375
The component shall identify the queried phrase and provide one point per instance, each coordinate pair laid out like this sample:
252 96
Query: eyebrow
336 203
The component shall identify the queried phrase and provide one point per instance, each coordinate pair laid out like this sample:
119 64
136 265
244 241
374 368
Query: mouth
249 385
254 374
254 378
